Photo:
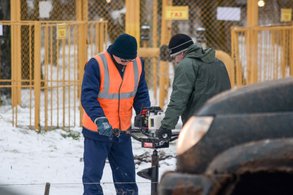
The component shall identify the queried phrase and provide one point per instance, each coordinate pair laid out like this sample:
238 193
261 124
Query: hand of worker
164 134
104 127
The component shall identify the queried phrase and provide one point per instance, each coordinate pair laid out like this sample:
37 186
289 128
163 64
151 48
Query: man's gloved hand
104 127
164 134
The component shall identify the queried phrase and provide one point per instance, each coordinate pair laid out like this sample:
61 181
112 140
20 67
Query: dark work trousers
120 156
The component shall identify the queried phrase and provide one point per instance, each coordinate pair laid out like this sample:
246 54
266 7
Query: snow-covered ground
30 159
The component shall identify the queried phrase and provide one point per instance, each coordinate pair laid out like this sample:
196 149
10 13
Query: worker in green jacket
199 75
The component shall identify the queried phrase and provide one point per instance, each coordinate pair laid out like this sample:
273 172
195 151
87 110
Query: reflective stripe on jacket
116 94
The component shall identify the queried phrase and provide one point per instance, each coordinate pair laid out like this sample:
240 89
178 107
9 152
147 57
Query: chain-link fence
209 23
57 10
45 85
5 57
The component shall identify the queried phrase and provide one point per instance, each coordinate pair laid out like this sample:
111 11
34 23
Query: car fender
177 183
265 155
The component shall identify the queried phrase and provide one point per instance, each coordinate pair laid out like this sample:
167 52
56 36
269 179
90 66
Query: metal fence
45 85
37 30
206 23
262 53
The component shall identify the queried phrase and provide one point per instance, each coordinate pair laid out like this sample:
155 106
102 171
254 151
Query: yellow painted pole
164 65
251 49
291 51
78 9
82 17
15 52
102 32
132 19
236 54
63 83
155 45
37 73
284 46
137 22
46 46
252 13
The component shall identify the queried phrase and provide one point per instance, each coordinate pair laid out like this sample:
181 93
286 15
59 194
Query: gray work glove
104 127
164 134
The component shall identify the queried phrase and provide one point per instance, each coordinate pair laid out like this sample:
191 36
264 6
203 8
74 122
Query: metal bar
164 68
46 46
37 73
155 172
47 189
63 81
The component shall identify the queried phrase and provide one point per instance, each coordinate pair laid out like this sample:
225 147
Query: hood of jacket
205 55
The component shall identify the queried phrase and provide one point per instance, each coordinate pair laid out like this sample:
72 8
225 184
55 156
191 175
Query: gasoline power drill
146 123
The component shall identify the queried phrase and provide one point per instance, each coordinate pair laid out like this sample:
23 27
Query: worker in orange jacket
113 84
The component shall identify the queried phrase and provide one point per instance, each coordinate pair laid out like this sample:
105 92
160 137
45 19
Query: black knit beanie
124 46
178 43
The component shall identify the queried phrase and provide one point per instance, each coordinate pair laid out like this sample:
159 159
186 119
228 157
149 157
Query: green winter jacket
198 77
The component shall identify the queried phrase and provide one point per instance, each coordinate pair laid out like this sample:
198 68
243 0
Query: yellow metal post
37 73
155 45
15 52
132 18
284 57
252 13
251 49
164 65
82 17
236 54
102 32
46 62
291 49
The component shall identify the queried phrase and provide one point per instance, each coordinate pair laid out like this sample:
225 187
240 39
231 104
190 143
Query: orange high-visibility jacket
116 94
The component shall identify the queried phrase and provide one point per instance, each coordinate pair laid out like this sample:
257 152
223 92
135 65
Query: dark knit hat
178 43
124 46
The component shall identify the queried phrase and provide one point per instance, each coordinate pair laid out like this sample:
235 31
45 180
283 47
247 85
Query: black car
240 142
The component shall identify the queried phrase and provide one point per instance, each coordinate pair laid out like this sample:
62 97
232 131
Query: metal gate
262 53
47 68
